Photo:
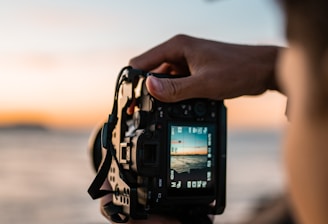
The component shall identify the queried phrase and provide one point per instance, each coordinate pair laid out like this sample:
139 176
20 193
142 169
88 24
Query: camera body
170 157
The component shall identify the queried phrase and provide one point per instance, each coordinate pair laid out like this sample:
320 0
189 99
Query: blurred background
58 65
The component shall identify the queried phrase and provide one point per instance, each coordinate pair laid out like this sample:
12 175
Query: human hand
217 70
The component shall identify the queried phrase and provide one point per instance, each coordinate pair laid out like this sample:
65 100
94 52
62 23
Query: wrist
273 81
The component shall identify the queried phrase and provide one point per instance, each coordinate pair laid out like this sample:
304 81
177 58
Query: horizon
59 60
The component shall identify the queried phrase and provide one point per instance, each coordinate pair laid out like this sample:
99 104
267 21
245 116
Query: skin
217 70
305 150
220 71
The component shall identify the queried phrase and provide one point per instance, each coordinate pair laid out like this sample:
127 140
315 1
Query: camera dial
200 108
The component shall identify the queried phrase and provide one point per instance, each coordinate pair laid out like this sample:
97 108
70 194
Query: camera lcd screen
191 158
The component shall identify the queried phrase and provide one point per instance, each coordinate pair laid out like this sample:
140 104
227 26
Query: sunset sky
59 59
189 140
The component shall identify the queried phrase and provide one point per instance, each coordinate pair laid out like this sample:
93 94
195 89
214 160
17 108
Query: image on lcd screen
190 157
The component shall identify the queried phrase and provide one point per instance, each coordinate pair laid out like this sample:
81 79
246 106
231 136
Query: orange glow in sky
59 59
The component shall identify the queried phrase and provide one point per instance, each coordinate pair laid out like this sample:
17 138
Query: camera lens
200 109
95 148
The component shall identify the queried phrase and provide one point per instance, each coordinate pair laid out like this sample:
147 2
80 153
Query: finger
173 90
171 69
105 199
164 68
171 51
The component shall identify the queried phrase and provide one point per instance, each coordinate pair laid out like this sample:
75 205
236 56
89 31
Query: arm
218 70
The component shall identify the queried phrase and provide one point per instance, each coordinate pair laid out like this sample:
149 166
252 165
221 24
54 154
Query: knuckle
180 39
133 62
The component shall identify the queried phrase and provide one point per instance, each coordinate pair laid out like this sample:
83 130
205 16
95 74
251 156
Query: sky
59 59
189 140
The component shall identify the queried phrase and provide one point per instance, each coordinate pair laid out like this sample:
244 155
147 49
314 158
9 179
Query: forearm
274 82
217 70
265 60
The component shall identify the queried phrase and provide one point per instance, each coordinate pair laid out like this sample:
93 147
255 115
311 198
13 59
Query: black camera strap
113 211
95 190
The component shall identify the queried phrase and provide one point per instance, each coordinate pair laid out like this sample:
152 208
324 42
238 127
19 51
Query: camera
163 158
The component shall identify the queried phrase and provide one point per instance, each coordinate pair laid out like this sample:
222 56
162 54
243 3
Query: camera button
200 109
160 183
213 115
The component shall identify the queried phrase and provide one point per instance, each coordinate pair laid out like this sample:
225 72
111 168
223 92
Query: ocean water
44 176
185 163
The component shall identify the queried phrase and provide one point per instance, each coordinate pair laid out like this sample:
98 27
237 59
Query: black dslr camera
165 158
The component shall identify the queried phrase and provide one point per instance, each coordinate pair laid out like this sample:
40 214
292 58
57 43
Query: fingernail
156 84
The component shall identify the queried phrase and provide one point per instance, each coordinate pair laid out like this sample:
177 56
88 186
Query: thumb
168 90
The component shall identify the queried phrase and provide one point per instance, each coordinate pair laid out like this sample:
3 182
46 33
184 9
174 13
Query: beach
45 175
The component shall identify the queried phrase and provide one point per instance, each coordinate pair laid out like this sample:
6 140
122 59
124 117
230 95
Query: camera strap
95 190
